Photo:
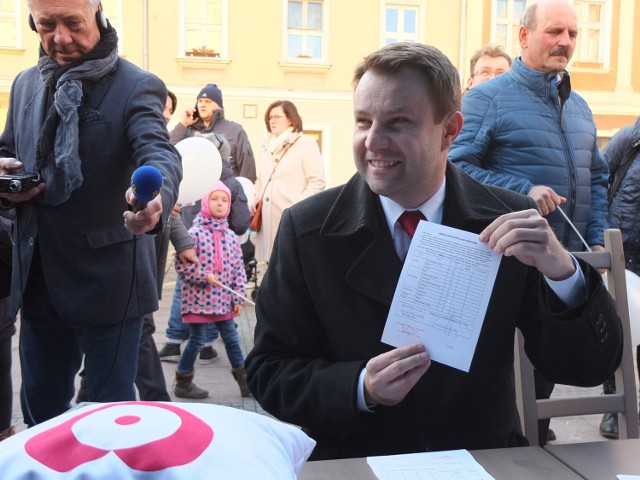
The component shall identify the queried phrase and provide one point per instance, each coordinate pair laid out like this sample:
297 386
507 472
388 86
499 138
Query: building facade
258 51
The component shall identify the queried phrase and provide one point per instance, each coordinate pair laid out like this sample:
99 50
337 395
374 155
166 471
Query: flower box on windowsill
206 62
203 52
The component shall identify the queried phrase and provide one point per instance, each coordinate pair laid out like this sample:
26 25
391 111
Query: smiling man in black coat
318 360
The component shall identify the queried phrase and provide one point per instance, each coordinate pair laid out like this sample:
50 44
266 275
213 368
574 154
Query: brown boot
8 432
185 387
241 377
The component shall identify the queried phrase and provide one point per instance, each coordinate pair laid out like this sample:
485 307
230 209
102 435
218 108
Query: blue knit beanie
212 92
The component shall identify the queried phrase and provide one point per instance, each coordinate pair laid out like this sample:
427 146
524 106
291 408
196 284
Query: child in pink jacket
203 300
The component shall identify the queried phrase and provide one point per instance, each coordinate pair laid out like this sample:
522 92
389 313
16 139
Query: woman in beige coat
289 170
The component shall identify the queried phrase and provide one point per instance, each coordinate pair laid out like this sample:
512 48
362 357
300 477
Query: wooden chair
624 400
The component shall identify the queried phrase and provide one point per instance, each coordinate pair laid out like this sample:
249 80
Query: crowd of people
422 150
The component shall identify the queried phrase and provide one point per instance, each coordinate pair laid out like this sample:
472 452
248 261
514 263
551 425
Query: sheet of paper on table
448 465
443 293
628 477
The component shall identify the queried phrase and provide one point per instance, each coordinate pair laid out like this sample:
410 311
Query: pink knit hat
218 187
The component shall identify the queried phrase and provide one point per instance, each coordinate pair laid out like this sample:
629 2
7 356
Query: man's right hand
176 210
393 374
546 198
9 166
187 117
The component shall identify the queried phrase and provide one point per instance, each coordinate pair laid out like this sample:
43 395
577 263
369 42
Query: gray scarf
58 153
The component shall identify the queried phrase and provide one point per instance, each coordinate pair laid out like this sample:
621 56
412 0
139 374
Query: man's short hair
174 101
488 51
441 77
529 19
93 3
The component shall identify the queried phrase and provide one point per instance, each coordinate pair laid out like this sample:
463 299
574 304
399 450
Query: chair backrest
623 401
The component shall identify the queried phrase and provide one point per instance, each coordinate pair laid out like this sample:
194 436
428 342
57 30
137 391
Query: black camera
19 182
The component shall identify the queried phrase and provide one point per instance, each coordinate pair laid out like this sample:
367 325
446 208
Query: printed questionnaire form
443 293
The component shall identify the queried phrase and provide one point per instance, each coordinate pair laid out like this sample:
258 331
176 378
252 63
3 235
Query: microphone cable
23 364
574 229
148 181
123 321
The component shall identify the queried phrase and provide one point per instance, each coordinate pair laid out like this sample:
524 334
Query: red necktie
409 221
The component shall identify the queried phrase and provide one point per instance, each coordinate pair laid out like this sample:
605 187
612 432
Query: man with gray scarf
83 271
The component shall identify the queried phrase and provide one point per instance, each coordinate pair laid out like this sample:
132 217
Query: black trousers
6 386
150 377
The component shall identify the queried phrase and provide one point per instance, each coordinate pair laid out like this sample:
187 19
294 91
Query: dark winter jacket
624 211
242 161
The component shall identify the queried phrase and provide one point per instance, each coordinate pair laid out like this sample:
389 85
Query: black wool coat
322 308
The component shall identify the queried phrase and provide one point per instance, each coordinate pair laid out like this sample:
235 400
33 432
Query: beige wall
253 73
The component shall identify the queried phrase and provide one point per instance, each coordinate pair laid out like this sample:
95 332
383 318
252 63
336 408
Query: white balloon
249 189
633 297
201 168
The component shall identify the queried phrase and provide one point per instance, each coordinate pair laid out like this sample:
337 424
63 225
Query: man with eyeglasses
487 63
528 132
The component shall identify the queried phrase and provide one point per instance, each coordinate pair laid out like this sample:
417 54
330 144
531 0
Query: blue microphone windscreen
146 183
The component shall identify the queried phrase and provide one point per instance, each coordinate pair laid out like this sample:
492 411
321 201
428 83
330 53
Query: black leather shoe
609 426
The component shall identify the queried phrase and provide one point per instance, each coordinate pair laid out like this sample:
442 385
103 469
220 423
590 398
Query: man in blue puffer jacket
526 131
519 134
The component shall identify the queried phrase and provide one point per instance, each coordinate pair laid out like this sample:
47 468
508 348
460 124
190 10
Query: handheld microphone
146 183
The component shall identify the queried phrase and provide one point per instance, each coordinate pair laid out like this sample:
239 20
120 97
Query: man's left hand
528 237
188 256
144 220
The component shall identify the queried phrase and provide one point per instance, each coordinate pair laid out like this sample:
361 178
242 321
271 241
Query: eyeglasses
488 73
276 117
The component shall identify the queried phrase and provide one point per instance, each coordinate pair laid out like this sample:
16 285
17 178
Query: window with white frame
400 23
203 28
306 30
506 24
10 26
594 29
594 24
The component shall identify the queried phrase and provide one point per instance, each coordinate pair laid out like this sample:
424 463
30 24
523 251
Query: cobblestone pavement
223 390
